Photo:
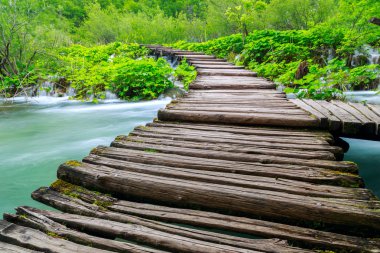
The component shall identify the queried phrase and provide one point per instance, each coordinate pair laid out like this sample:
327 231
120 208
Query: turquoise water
367 155
36 138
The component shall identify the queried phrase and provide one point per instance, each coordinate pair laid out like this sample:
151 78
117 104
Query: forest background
89 44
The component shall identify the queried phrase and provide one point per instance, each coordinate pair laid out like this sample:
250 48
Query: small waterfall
365 55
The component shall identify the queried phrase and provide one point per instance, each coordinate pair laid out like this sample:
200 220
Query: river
35 138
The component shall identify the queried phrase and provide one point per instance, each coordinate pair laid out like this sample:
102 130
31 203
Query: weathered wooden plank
222 63
212 220
262 131
214 66
30 217
296 172
322 118
77 206
36 240
238 118
351 125
228 198
374 108
364 110
254 182
334 123
203 85
332 165
303 142
225 72
264 110
245 149
252 134
368 127
140 233
235 91
198 57
10 248
235 95
205 61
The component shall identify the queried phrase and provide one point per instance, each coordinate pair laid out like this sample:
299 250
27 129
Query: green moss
102 204
150 150
52 234
67 188
143 128
73 163
23 216
97 150
121 138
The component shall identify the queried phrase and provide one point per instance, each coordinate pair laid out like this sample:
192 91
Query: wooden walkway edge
233 166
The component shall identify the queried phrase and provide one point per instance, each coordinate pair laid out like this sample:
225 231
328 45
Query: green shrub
185 73
141 79
121 68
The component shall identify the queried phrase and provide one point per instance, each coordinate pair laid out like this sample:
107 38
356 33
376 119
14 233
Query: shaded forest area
72 42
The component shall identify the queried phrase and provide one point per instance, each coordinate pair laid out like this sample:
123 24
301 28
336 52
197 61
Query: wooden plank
334 123
264 110
266 131
368 113
212 220
237 118
232 91
254 144
200 85
148 236
192 59
231 94
29 217
214 66
225 72
351 125
332 165
249 138
252 182
295 172
368 126
307 143
36 240
322 118
71 205
224 63
374 108
197 57
227 198
233 148
241 105
10 248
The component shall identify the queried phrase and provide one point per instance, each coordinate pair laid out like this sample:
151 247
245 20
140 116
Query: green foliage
141 79
185 73
277 55
121 68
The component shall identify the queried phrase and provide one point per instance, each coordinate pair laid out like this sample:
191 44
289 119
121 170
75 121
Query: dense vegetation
278 55
40 40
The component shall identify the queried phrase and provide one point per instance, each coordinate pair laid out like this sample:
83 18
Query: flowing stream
35 138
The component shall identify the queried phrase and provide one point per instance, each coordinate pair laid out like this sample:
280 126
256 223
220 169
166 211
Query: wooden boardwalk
231 167
349 119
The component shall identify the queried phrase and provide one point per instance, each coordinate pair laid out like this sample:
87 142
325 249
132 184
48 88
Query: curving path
232 167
